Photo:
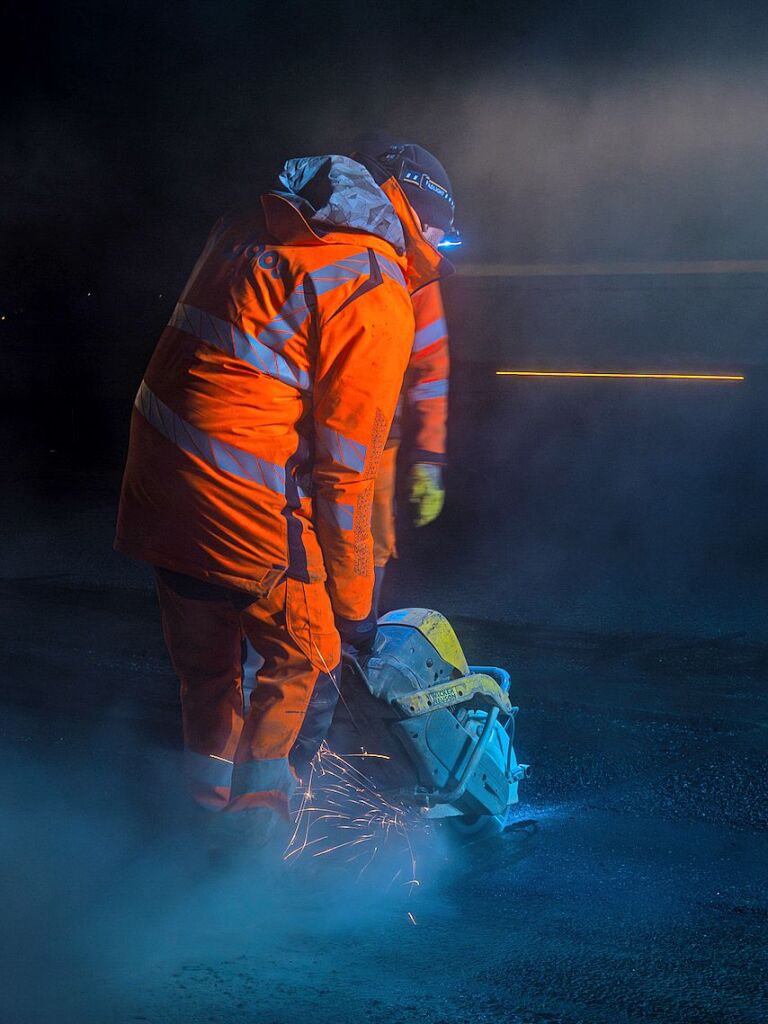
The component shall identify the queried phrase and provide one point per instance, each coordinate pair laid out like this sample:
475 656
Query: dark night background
605 539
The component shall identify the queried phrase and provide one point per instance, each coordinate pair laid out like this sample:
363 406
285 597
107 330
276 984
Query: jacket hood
336 192
327 198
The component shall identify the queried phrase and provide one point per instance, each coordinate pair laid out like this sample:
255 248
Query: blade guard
435 628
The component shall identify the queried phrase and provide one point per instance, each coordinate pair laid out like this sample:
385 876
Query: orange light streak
623 376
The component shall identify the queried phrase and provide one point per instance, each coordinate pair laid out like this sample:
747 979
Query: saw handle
501 675
452 795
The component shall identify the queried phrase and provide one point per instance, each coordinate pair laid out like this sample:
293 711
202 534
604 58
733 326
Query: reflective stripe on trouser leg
262 784
317 721
209 778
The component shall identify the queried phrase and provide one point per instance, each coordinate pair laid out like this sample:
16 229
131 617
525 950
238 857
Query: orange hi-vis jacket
425 393
257 430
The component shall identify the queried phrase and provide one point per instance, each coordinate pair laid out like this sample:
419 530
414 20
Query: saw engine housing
445 729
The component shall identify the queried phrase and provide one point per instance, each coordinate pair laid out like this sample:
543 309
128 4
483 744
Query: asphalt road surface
639 894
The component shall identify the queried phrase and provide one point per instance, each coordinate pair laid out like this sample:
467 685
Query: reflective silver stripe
208 769
257 352
341 449
429 389
342 515
430 334
286 324
263 777
336 274
216 453
390 268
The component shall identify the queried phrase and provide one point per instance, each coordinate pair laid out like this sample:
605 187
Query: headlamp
423 181
452 240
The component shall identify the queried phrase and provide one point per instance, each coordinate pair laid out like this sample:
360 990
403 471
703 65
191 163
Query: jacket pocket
309 619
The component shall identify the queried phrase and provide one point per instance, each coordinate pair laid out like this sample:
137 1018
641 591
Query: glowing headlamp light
452 240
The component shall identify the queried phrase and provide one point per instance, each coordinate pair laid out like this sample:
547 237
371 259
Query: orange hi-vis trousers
238 758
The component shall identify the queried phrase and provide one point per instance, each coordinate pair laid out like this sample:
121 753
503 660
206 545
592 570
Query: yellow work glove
425 492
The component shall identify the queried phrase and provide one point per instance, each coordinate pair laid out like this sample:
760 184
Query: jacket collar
425 264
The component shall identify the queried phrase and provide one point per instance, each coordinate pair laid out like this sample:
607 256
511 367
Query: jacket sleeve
362 355
426 388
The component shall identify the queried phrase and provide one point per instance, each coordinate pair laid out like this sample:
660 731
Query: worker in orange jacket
423 406
256 438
